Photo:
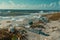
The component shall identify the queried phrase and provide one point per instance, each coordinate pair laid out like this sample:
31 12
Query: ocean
23 12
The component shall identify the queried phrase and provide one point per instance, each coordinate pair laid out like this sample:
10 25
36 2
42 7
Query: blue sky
30 4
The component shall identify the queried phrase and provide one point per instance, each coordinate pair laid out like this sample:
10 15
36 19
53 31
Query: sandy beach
52 27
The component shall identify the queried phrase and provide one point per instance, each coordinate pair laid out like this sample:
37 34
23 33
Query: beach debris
27 26
45 39
30 23
37 26
38 32
13 34
44 19
11 29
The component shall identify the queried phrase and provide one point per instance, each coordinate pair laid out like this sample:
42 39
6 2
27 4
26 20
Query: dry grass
54 16
6 35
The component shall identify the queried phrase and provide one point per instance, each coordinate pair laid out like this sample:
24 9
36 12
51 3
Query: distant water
22 12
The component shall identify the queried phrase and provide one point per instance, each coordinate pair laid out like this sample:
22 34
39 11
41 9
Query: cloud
5 5
12 5
52 4
45 6
59 2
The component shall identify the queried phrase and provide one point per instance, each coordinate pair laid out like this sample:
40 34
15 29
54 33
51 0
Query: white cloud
59 2
52 4
12 5
5 5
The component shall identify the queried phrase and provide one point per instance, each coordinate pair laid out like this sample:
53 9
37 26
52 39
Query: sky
30 4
